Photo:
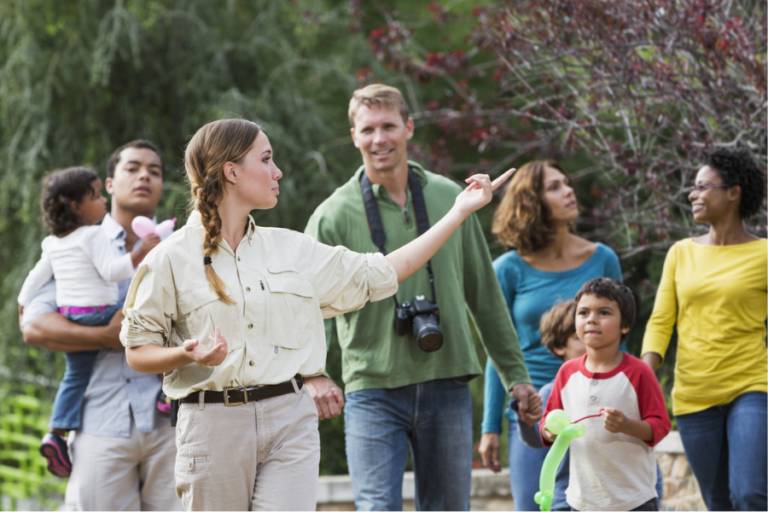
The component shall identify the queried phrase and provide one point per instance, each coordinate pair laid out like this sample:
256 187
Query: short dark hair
138 144
616 291
737 167
557 325
60 188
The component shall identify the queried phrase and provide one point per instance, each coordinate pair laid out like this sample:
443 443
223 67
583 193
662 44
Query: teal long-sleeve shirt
529 293
373 355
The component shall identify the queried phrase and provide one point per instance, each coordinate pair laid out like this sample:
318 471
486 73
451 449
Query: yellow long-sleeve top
717 295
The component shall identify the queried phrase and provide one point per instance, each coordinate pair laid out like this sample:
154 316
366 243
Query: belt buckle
227 403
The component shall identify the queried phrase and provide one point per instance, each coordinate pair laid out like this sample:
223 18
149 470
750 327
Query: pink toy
144 227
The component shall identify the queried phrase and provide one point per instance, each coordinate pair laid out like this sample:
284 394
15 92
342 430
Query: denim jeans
524 471
68 405
726 447
434 419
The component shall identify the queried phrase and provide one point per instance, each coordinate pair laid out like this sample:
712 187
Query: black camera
421 316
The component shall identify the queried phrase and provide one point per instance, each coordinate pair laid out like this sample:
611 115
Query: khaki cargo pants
261 455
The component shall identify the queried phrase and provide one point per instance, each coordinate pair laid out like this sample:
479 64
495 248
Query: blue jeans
434 419
68 406
726 447
525 469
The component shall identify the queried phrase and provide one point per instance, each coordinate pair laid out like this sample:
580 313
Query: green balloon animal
559 423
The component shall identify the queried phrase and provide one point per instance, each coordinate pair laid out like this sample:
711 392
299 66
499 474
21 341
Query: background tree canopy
624 94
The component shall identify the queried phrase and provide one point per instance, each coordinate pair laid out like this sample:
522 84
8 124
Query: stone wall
491 491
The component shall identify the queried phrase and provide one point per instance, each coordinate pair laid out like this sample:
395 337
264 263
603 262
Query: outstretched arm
409 258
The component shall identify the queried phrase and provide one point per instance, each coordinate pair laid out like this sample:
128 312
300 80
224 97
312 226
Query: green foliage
23 473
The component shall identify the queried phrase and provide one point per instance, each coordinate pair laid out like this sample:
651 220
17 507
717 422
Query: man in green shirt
399 395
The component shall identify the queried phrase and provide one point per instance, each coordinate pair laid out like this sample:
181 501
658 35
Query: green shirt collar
416 168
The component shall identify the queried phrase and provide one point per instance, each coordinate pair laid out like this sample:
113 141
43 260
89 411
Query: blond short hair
377 95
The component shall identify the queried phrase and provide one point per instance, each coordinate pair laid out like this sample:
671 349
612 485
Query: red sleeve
555 401
650 399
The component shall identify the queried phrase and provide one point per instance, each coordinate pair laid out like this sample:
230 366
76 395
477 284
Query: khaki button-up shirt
283 283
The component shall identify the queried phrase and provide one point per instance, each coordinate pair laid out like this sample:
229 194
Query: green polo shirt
373 355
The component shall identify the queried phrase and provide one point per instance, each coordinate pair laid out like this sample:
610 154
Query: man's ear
352 133
108 186
231 171
409 128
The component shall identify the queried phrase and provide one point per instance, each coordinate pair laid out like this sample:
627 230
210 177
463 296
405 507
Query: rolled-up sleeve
149 309
345 280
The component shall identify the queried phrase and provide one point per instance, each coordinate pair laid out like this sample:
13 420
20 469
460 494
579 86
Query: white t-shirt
610 471
86 265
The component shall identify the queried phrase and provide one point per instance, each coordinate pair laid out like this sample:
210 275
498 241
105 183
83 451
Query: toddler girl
87 267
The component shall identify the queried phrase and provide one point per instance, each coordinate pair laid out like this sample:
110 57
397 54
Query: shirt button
276 350
128 381
251 363
593 382
250 326
247 288
593 398
238 258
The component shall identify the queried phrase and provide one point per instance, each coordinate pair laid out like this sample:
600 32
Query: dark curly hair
618 292
737 167
60 188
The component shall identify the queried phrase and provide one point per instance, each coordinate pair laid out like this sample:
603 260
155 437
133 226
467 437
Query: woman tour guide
232 314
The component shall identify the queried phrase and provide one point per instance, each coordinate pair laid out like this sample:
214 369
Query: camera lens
428 334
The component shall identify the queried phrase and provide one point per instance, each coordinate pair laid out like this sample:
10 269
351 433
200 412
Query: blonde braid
209 212
211 147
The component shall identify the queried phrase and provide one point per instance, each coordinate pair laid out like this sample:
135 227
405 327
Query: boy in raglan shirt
613 467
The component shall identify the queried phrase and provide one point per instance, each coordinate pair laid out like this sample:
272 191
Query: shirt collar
195 222
417 169
114 229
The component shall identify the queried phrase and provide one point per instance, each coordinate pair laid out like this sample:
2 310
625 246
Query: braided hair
216 143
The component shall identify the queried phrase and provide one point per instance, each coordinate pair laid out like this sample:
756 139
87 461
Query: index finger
501 179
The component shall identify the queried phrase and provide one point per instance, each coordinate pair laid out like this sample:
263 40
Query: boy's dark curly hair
614 290
60 188
737 167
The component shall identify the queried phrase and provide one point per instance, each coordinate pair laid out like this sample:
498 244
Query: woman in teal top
547 264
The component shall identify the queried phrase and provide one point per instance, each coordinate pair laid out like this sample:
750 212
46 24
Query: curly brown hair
522 221
557 325
60 190
216 143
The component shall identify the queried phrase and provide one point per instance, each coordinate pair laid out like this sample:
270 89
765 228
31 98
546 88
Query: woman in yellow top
232 314
714 287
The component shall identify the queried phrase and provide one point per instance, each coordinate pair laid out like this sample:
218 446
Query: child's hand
147 244
548 436
613 420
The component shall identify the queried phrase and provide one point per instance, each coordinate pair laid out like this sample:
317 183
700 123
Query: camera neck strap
378 235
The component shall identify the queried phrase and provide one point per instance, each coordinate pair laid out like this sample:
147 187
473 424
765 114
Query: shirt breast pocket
292 308
202 311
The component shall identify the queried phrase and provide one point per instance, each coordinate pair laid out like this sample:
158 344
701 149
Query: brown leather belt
239 396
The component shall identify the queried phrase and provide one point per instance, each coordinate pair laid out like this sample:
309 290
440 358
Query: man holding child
124 452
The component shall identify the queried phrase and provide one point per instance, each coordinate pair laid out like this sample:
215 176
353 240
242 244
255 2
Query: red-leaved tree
641 86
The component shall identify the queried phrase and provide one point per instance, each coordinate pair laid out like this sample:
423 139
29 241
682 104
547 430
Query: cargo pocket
292 309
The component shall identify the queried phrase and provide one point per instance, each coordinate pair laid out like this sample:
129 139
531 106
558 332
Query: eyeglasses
701 188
